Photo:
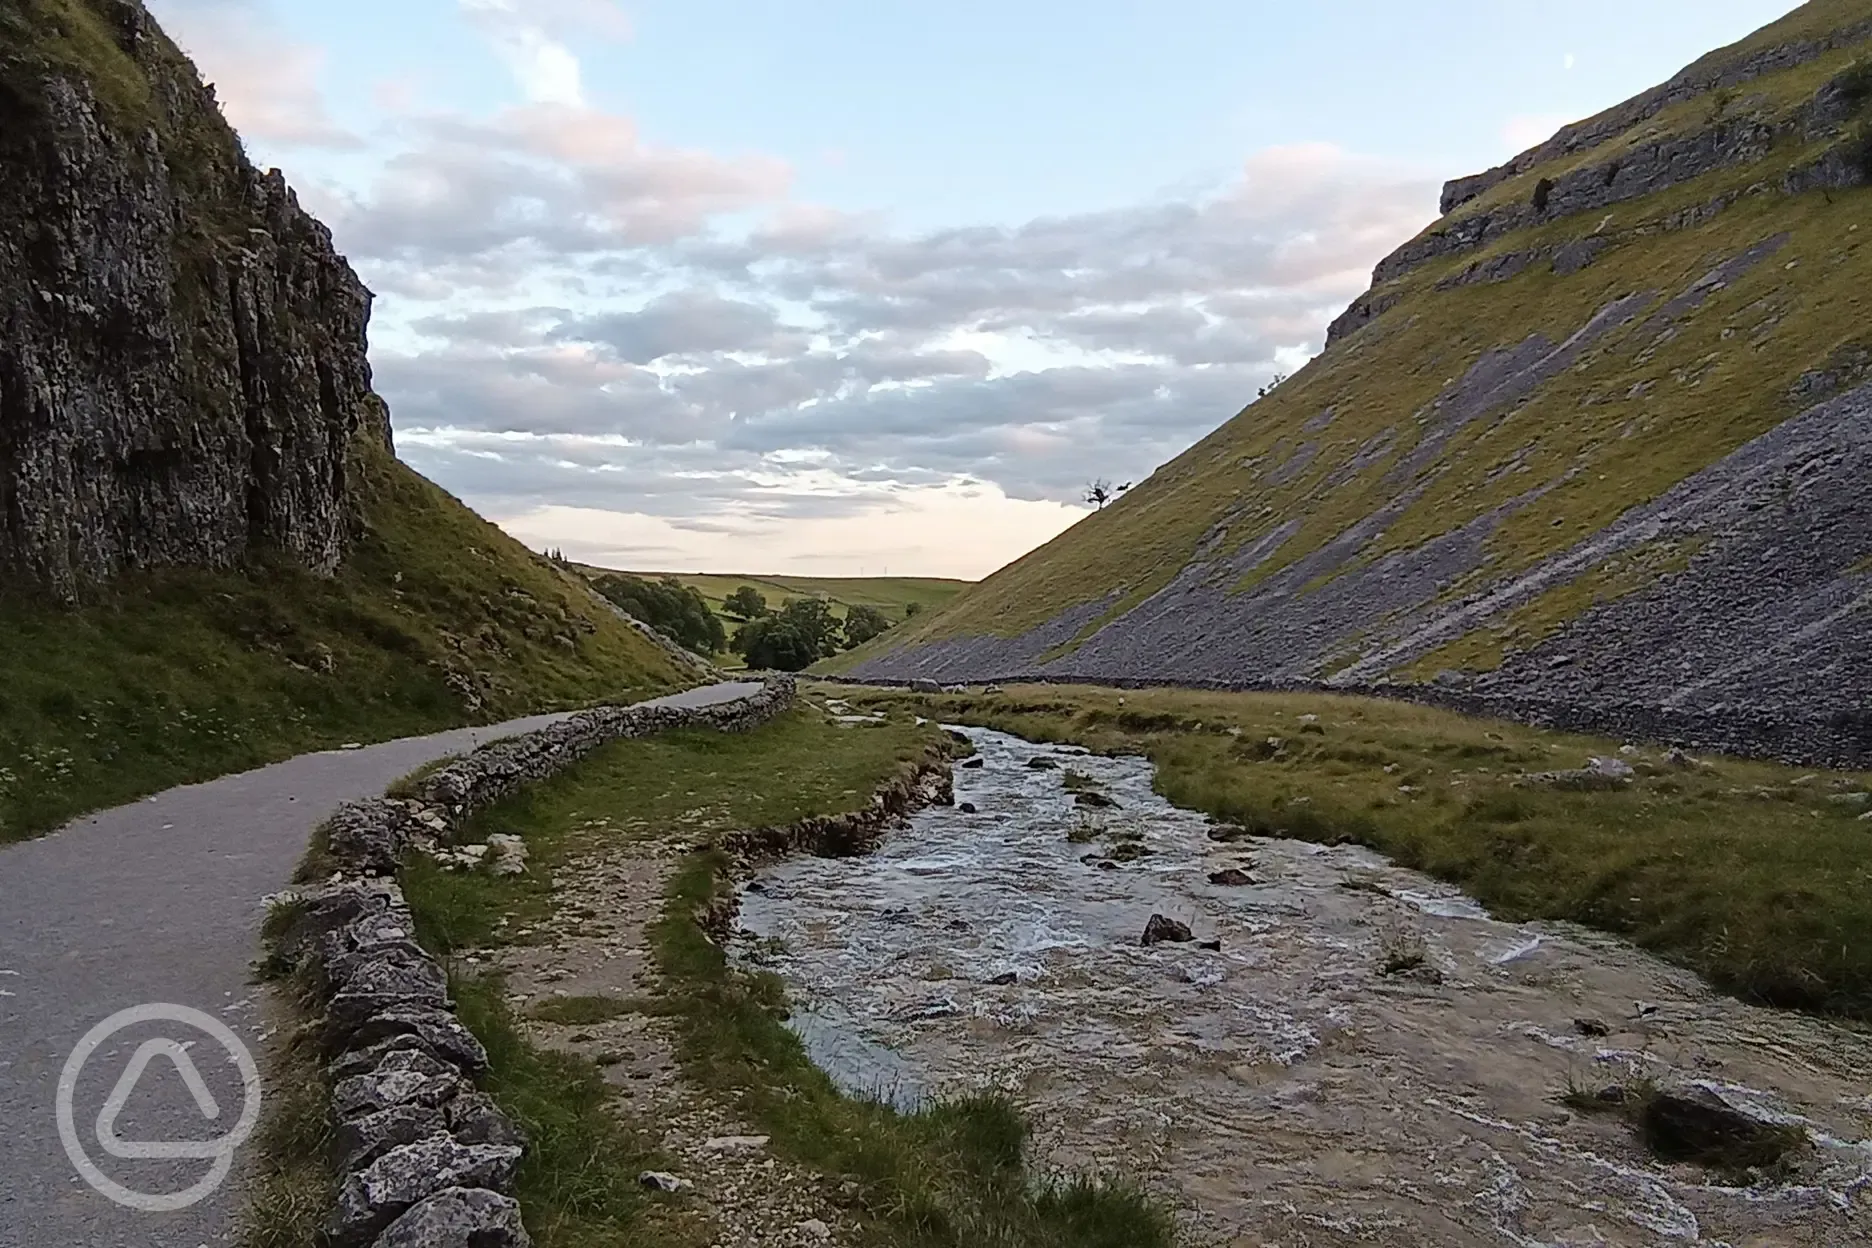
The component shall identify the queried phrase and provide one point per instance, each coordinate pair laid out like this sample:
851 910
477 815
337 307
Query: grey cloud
1194 297
684 323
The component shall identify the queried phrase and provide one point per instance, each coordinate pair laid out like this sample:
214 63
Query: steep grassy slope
1592 448
436 618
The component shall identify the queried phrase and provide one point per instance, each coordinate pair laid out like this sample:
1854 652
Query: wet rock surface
1285 1088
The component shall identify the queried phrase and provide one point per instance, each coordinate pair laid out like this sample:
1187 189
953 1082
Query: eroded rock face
182 353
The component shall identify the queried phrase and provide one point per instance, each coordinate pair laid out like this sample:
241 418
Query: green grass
950 1175
578 1183
1628 421
893 595
292 1183
1742 871
437 619
585 1011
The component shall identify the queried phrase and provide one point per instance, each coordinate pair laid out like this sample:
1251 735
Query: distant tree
1098 493
862 624
672 608
1268 389
912 608
798 635
746 603
773 643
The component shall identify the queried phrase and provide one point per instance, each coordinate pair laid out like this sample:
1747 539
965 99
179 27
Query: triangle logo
178 1056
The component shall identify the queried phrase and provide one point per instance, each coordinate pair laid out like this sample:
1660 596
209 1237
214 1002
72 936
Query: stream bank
1367 1057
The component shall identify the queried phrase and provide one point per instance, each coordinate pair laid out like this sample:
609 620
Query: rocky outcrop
1638 170
423 1158
182 353
1717 72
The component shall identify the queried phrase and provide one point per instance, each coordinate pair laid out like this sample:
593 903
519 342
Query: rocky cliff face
1593 450
182 353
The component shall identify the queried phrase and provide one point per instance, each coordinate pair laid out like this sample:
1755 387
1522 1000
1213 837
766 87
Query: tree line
800 633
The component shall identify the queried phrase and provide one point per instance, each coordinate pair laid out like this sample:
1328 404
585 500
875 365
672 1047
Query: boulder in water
1161 929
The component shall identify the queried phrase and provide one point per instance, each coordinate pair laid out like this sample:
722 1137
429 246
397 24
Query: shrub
672 608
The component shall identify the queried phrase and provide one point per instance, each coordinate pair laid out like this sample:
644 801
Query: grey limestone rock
358 1141
441 1032
401 1077
458 1217
387 980
369 1200
473 1118
182 352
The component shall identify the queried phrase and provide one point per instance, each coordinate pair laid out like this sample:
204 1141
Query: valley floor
921 1042
1754 875
626 1042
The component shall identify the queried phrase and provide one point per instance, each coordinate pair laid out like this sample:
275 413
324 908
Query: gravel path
160 901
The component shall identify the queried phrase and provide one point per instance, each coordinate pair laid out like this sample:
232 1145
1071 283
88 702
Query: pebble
664 1181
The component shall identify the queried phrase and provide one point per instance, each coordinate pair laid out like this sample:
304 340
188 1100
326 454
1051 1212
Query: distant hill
210 556
890 594
1594 449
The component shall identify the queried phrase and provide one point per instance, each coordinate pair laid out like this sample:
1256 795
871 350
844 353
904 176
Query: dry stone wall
424 1159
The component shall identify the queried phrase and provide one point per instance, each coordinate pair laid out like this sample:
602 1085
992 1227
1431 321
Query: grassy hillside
436 619
1359 450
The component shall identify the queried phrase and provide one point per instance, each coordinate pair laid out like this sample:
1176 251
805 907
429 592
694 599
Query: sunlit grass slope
436 619
1629 419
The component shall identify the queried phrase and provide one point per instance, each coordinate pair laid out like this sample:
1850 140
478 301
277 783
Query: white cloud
654 356
920 530
545 69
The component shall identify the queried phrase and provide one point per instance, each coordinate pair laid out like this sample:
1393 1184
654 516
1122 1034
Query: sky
874 288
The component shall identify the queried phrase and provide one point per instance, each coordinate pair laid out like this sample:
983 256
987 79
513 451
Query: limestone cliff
182 353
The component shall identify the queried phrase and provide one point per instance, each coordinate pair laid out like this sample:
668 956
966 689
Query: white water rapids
1285 1089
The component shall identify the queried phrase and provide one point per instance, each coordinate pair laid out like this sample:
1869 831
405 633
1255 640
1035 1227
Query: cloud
472 202
1025 359
543 67
267 84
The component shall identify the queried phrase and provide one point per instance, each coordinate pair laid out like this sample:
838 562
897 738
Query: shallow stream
1367 1058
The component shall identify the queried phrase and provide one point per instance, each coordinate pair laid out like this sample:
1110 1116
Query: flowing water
1367 1058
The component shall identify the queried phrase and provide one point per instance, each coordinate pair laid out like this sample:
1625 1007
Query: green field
889 594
